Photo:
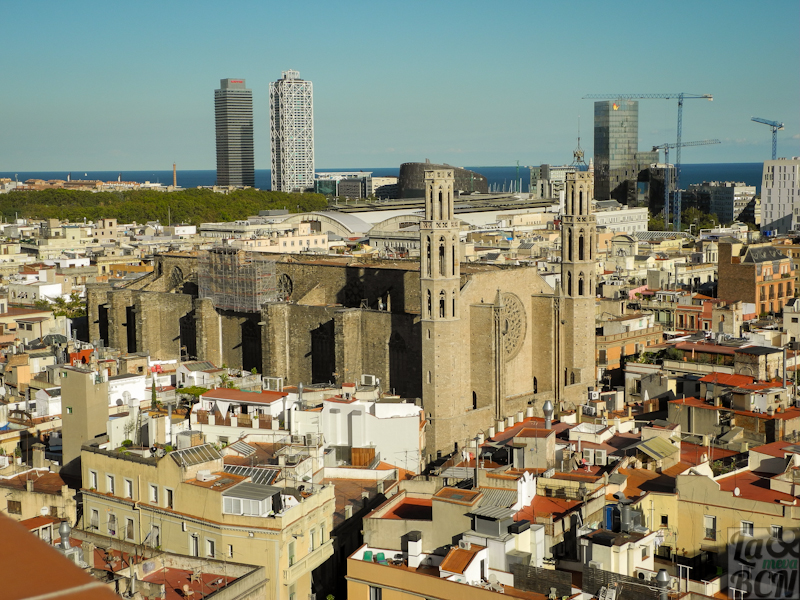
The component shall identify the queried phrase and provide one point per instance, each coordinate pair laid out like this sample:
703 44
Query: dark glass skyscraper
233 110
616 142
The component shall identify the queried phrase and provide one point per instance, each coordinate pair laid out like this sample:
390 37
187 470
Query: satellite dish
44 510
737 492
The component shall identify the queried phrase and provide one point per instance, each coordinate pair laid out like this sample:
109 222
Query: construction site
236 280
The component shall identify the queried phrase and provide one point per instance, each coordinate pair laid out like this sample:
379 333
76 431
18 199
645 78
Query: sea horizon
499 177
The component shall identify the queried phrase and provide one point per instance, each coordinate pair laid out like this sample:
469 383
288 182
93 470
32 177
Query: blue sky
108 85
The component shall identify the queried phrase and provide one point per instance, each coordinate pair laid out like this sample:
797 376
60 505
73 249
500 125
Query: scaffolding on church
236 280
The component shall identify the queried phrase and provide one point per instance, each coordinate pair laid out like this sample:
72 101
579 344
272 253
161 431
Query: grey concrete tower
440 282
233 113
578 281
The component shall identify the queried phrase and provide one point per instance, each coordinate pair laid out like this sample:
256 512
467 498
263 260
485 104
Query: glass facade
616 140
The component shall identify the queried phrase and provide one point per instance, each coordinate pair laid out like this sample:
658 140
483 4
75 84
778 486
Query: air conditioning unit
594 395
368 379
644 575
464 545
600 457
590 410
595 564
588 454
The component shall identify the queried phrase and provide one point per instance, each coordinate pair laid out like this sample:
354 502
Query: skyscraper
616 142
233 111
291 133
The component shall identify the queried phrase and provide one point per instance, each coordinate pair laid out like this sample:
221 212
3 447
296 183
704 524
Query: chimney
547 409
38 456
501 426
520 416
348 511
662 583
414 548
88 553
174 175
29 485
491 432
510 421
529 412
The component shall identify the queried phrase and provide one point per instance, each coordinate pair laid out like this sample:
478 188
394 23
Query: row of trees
192 206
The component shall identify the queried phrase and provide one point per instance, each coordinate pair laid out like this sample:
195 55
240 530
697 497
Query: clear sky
130 85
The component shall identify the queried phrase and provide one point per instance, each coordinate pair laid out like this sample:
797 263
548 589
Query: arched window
428 253
580 246
453 314
580 286
569 284
441 204
454 250
580 202
569 245
565 377
572 202
474 400
535 386
430 307
441 256
572 378
441 304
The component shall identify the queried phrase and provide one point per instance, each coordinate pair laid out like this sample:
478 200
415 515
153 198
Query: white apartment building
780 192
728 199
302 239
622 219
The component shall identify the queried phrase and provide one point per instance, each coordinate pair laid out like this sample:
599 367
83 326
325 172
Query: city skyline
516 74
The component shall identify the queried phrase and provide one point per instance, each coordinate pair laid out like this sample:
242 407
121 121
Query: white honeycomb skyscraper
291 133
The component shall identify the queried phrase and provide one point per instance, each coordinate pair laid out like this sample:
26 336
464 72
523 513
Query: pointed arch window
441 204
572 378
428 254
580 246
569 284
569 245
453 250
580 285
430 305
441 256
580 202
453 314
441 305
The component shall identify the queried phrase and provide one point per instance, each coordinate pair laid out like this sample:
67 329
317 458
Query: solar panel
258 475
195 455
243 448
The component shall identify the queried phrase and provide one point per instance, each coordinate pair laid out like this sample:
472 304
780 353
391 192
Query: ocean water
499 178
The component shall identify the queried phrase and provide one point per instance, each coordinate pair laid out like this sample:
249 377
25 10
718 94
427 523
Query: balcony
308 563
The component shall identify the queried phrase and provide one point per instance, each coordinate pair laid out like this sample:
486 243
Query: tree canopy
193 206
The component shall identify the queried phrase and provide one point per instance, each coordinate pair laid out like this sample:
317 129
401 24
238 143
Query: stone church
475 342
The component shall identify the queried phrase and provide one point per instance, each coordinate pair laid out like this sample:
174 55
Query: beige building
84 408
185 503
34 493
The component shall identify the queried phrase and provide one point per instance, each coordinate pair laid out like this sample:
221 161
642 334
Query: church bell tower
578 281
440 282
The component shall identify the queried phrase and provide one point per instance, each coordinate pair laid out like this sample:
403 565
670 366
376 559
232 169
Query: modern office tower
616 140
780 195
233 111
291 133
729 200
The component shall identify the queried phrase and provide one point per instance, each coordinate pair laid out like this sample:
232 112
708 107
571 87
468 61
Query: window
169 495
69 410
93 480
194 545
710 525
128 488
776 532
129 529
664 521
292 592
375 593
112 524
291 553
644 552
311 541
230 551
747 528
53 511
154 495
95 520
211 547
14 507
110 484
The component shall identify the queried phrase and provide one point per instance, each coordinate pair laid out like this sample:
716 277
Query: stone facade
491 341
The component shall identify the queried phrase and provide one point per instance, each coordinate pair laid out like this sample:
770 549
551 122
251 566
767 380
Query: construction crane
681 96
677 209
776 127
